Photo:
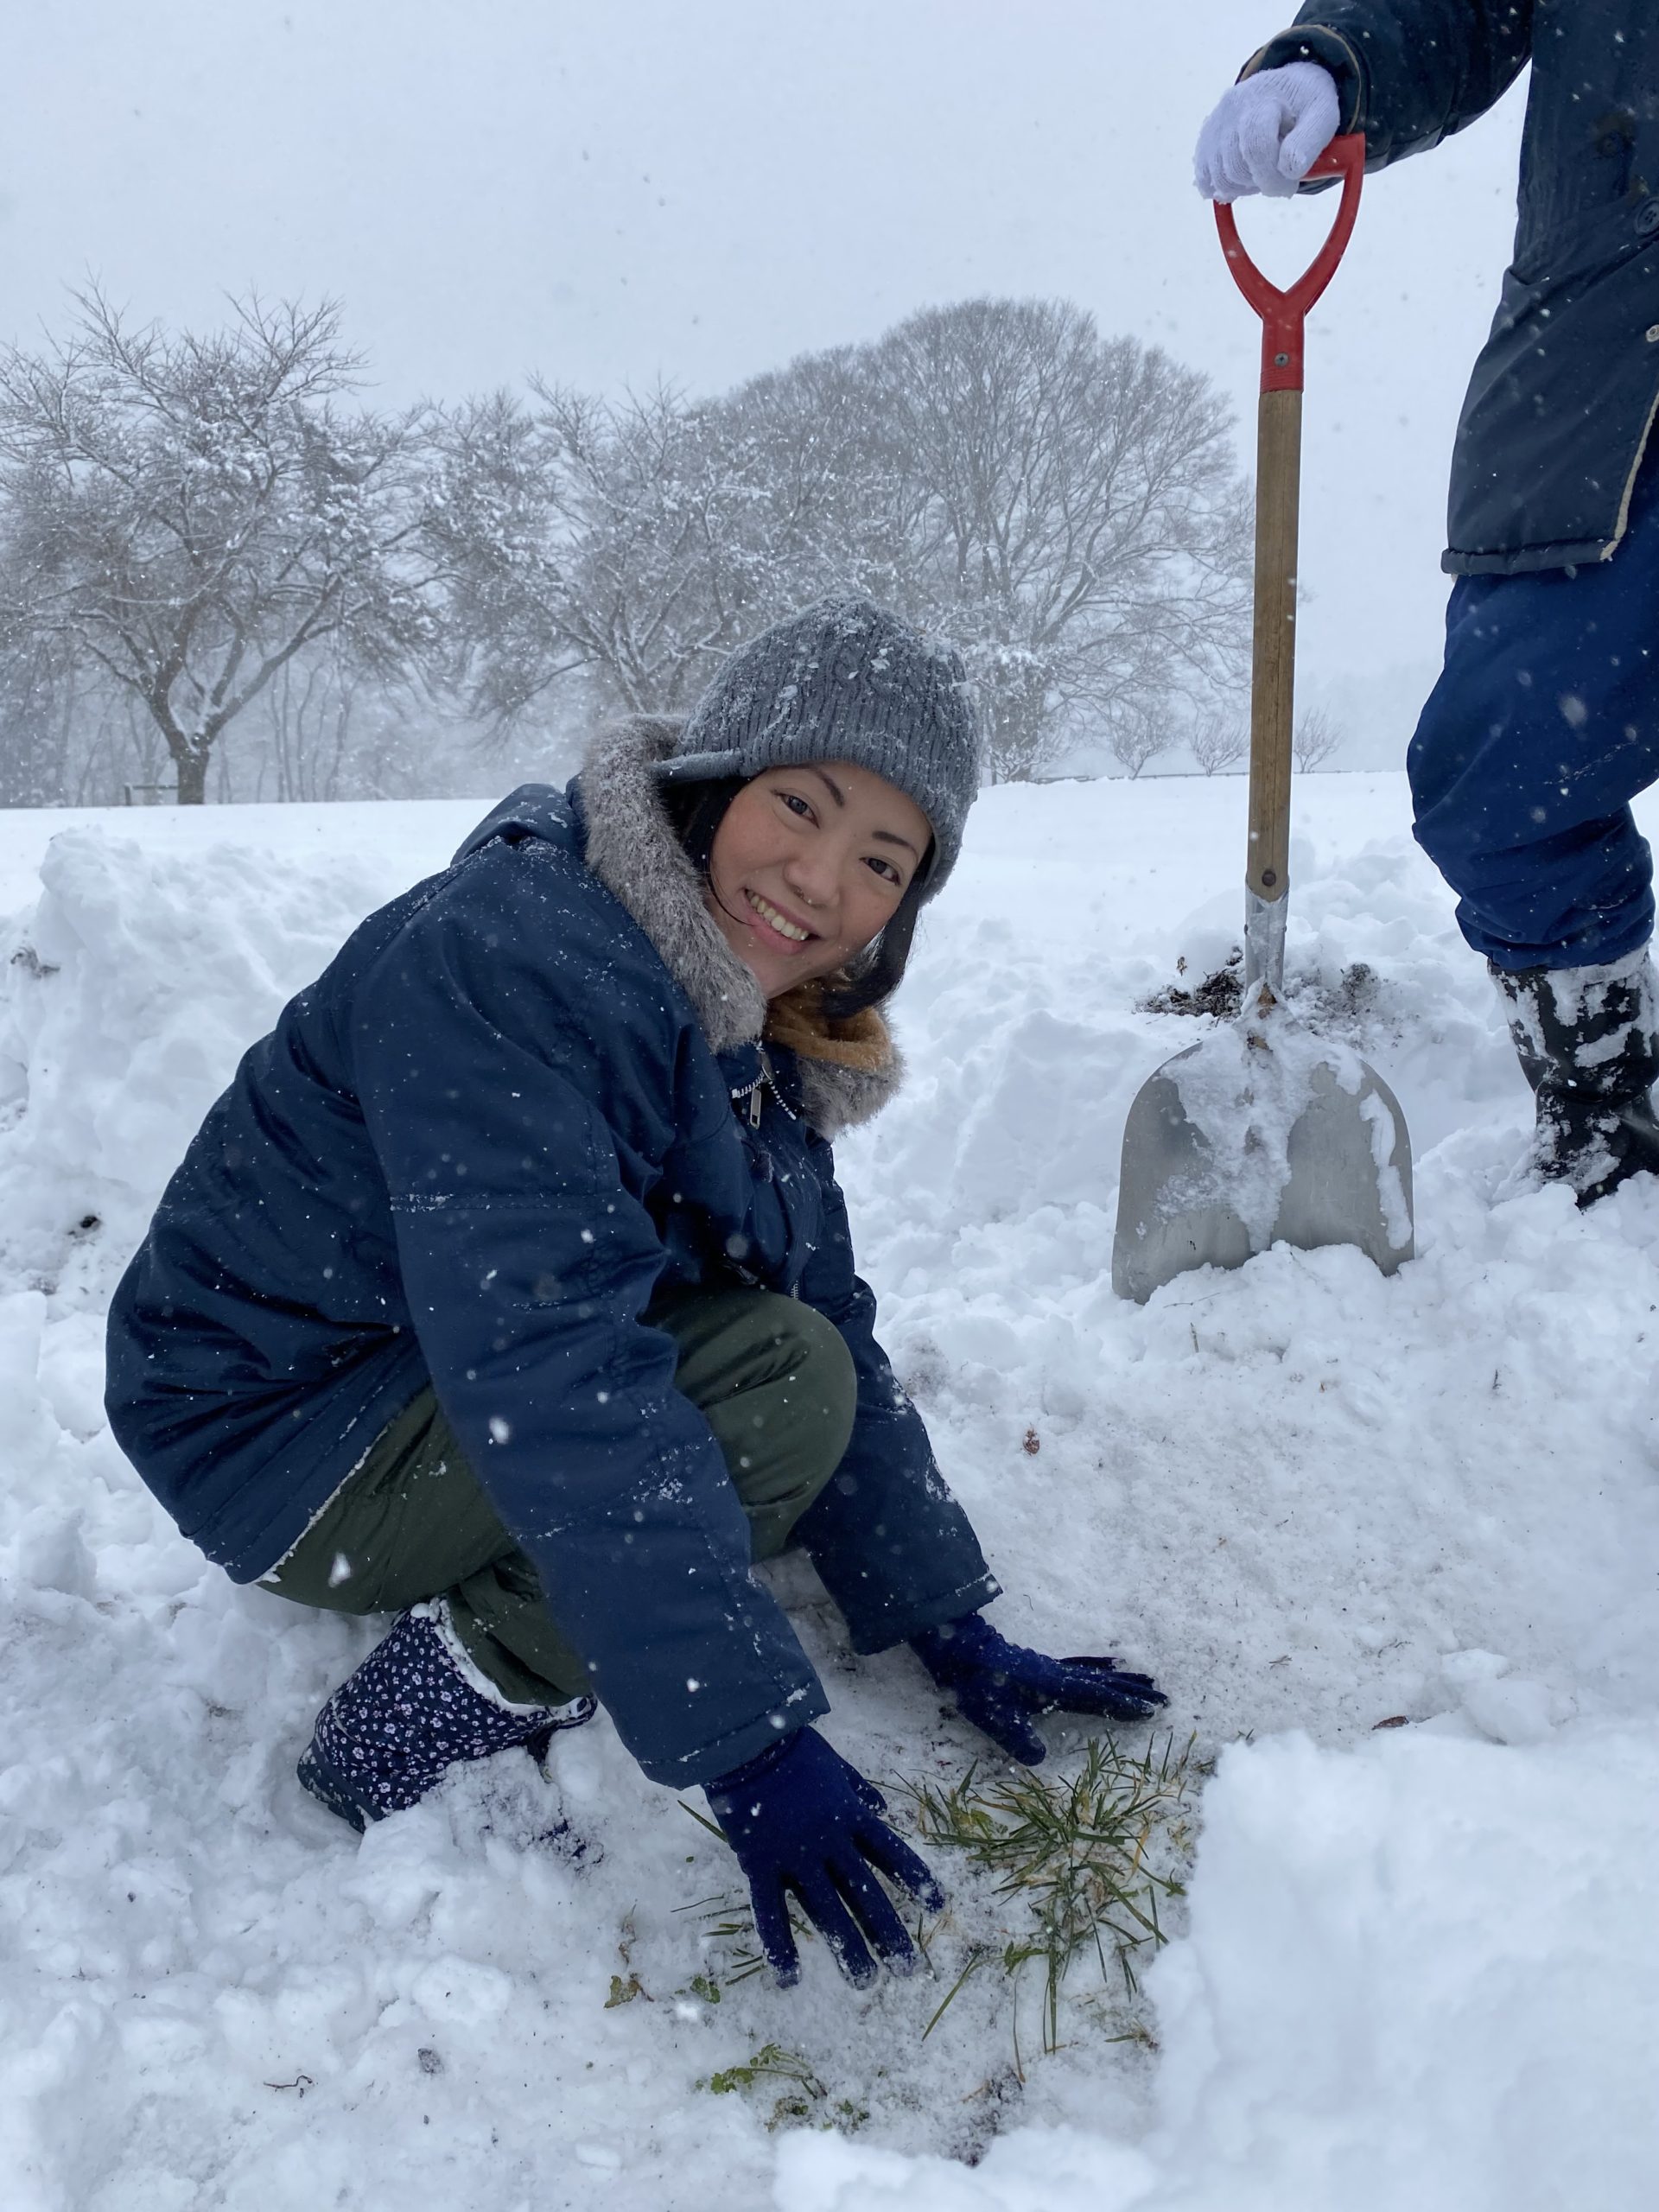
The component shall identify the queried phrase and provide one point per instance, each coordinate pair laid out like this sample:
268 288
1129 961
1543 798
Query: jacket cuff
880 1629
712 1762
1312 42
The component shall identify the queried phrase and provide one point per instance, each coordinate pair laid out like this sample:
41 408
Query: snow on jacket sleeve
1409 72
892 1546
528 1255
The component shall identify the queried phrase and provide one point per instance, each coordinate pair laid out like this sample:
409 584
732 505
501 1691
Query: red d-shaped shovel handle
1284 313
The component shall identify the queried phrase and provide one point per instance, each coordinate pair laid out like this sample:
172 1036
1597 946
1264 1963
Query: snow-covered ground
1420 1966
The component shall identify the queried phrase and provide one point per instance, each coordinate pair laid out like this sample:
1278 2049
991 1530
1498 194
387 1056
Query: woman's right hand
1266 132
801 1819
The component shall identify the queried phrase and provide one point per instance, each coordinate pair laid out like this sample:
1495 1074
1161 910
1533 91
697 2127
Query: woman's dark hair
880 968
696 811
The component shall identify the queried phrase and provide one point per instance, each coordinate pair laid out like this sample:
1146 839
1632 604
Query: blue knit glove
1000 1687
800 1818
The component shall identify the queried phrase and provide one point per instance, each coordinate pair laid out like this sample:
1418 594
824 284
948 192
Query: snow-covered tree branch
184 514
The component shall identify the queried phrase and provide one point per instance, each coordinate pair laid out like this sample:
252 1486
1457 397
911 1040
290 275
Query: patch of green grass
805 2100
771 2063
728 1930
1086 1860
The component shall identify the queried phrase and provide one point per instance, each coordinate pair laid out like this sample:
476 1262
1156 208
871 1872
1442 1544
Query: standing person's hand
802 1820
1267 132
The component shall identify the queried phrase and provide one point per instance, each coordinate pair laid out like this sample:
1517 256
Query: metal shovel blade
1259 1134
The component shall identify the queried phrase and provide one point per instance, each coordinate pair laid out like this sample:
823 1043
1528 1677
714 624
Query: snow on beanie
844 680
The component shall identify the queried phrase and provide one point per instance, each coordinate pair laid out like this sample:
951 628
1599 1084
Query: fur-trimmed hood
848 1070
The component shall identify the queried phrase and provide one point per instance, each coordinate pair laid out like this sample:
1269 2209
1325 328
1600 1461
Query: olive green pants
771 1377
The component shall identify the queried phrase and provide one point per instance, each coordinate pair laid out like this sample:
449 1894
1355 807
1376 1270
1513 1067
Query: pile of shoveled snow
1311 1500
1421 1979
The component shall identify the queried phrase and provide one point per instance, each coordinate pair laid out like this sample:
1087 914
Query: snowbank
1424 1977
1309 1499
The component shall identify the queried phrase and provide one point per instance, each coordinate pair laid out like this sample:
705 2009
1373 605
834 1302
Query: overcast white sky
612 190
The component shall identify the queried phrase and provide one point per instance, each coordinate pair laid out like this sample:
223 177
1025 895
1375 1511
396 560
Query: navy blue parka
472 1151
1561 406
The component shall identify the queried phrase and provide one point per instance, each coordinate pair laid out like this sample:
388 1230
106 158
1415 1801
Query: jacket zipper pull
757 1099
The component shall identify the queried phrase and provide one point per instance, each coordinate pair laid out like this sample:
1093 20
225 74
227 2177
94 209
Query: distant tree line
213 552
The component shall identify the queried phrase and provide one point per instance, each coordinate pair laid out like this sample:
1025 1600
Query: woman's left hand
1002 1686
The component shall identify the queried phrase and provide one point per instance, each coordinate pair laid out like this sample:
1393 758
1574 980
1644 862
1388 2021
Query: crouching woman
509 1288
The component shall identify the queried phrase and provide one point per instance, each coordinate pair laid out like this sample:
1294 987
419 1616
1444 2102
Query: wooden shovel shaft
1278 490
1273 676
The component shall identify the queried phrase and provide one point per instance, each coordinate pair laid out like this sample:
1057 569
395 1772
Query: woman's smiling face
807 867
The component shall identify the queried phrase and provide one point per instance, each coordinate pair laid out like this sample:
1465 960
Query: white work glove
1267 132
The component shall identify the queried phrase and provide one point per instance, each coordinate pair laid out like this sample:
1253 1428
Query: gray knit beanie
844 680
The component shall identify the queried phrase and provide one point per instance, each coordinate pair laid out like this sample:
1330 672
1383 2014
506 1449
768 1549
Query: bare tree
1076 521
39 697
1135 739
585 535
1066 510
635 540
307 728
1216 740
657 583
186 514
1317 736
494 531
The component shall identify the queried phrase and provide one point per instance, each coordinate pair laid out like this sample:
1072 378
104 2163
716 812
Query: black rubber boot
1586 1040
413 1709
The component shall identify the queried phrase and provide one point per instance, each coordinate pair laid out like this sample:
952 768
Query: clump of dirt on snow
1221 993
1348 1005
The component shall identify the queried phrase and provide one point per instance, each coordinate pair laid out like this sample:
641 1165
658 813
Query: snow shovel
1265 1133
